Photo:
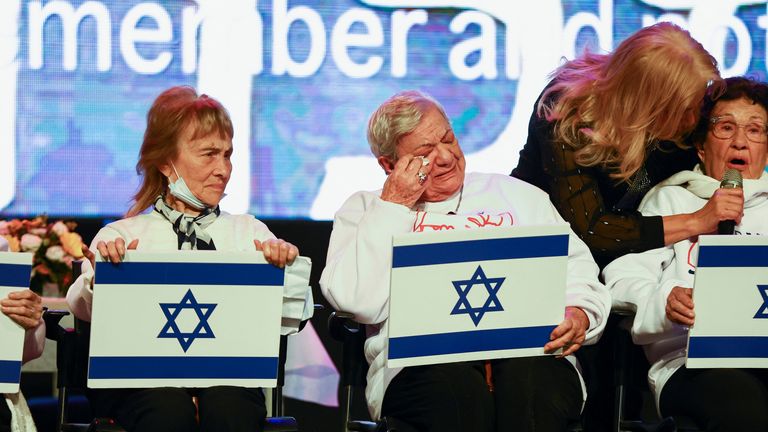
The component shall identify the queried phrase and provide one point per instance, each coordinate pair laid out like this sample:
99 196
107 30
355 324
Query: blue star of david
202 329
491 304
763 311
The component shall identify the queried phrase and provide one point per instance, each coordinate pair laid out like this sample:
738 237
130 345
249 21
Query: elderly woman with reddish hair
185 164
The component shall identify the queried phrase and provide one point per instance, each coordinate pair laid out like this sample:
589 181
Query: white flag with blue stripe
187 319
731 302
475 294
15 271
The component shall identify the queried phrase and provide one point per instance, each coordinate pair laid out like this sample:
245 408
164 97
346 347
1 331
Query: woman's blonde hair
612 108
171 113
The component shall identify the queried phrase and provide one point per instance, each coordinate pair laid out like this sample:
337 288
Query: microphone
731 180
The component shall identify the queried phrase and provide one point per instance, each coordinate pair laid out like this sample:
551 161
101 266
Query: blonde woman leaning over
609 127
605 130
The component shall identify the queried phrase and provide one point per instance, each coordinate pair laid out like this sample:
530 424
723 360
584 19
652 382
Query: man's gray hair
396 117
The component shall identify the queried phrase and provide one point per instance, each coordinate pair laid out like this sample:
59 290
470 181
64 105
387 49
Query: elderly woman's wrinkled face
736 139
434 138
204 164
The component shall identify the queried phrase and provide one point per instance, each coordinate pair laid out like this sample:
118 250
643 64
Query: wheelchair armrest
52 317
302 324
622 312
342 326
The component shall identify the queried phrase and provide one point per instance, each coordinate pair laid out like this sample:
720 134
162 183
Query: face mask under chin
180 190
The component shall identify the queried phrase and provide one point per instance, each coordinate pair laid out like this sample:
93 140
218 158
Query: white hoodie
642 282
356 275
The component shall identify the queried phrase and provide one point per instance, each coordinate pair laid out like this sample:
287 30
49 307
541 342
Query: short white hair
396 117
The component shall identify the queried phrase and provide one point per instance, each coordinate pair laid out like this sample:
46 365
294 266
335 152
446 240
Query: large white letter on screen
190 23
602 23
129 35
70 22
10 12
484 43
282 18
402 22
342 39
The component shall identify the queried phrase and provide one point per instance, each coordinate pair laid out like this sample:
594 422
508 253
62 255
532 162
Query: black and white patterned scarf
190 230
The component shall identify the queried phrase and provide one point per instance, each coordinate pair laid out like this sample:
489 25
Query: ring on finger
422 177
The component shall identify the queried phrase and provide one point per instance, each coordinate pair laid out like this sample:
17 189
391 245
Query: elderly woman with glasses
731 135
427 190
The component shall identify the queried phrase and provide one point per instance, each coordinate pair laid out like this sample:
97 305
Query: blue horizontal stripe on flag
10 371
469 341
173 273
728 347
15 275
182 367
733 256
480 250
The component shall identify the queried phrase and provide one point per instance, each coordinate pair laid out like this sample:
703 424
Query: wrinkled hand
402 185
114 250
680 306
277 252
23 307
570 334
725 204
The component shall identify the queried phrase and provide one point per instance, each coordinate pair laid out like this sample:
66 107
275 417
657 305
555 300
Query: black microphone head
732 179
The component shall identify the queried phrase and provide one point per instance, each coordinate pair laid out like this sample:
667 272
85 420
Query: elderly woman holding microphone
427 186
185 163
657 284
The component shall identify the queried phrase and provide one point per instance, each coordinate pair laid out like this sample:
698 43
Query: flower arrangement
55 246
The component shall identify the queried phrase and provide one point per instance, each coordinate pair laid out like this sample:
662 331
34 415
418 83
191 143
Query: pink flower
30 243
55 253
60 228
40 232
3 227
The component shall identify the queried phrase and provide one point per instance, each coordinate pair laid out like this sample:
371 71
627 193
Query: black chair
627 366
72 364
343 328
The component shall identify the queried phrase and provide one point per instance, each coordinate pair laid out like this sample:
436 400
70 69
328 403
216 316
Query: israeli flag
475 294
186 319
731 303
15 271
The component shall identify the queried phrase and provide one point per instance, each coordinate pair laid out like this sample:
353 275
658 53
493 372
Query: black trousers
733 400
530 394
170 409
5 416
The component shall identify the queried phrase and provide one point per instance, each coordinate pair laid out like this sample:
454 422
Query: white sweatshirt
357 272
642 282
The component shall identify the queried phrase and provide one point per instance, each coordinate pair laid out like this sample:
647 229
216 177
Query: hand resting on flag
24 307
277 252
570 334
679 307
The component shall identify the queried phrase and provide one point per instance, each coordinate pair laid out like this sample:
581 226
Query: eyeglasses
724 128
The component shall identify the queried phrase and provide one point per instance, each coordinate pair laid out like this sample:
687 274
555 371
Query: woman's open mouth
737 163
